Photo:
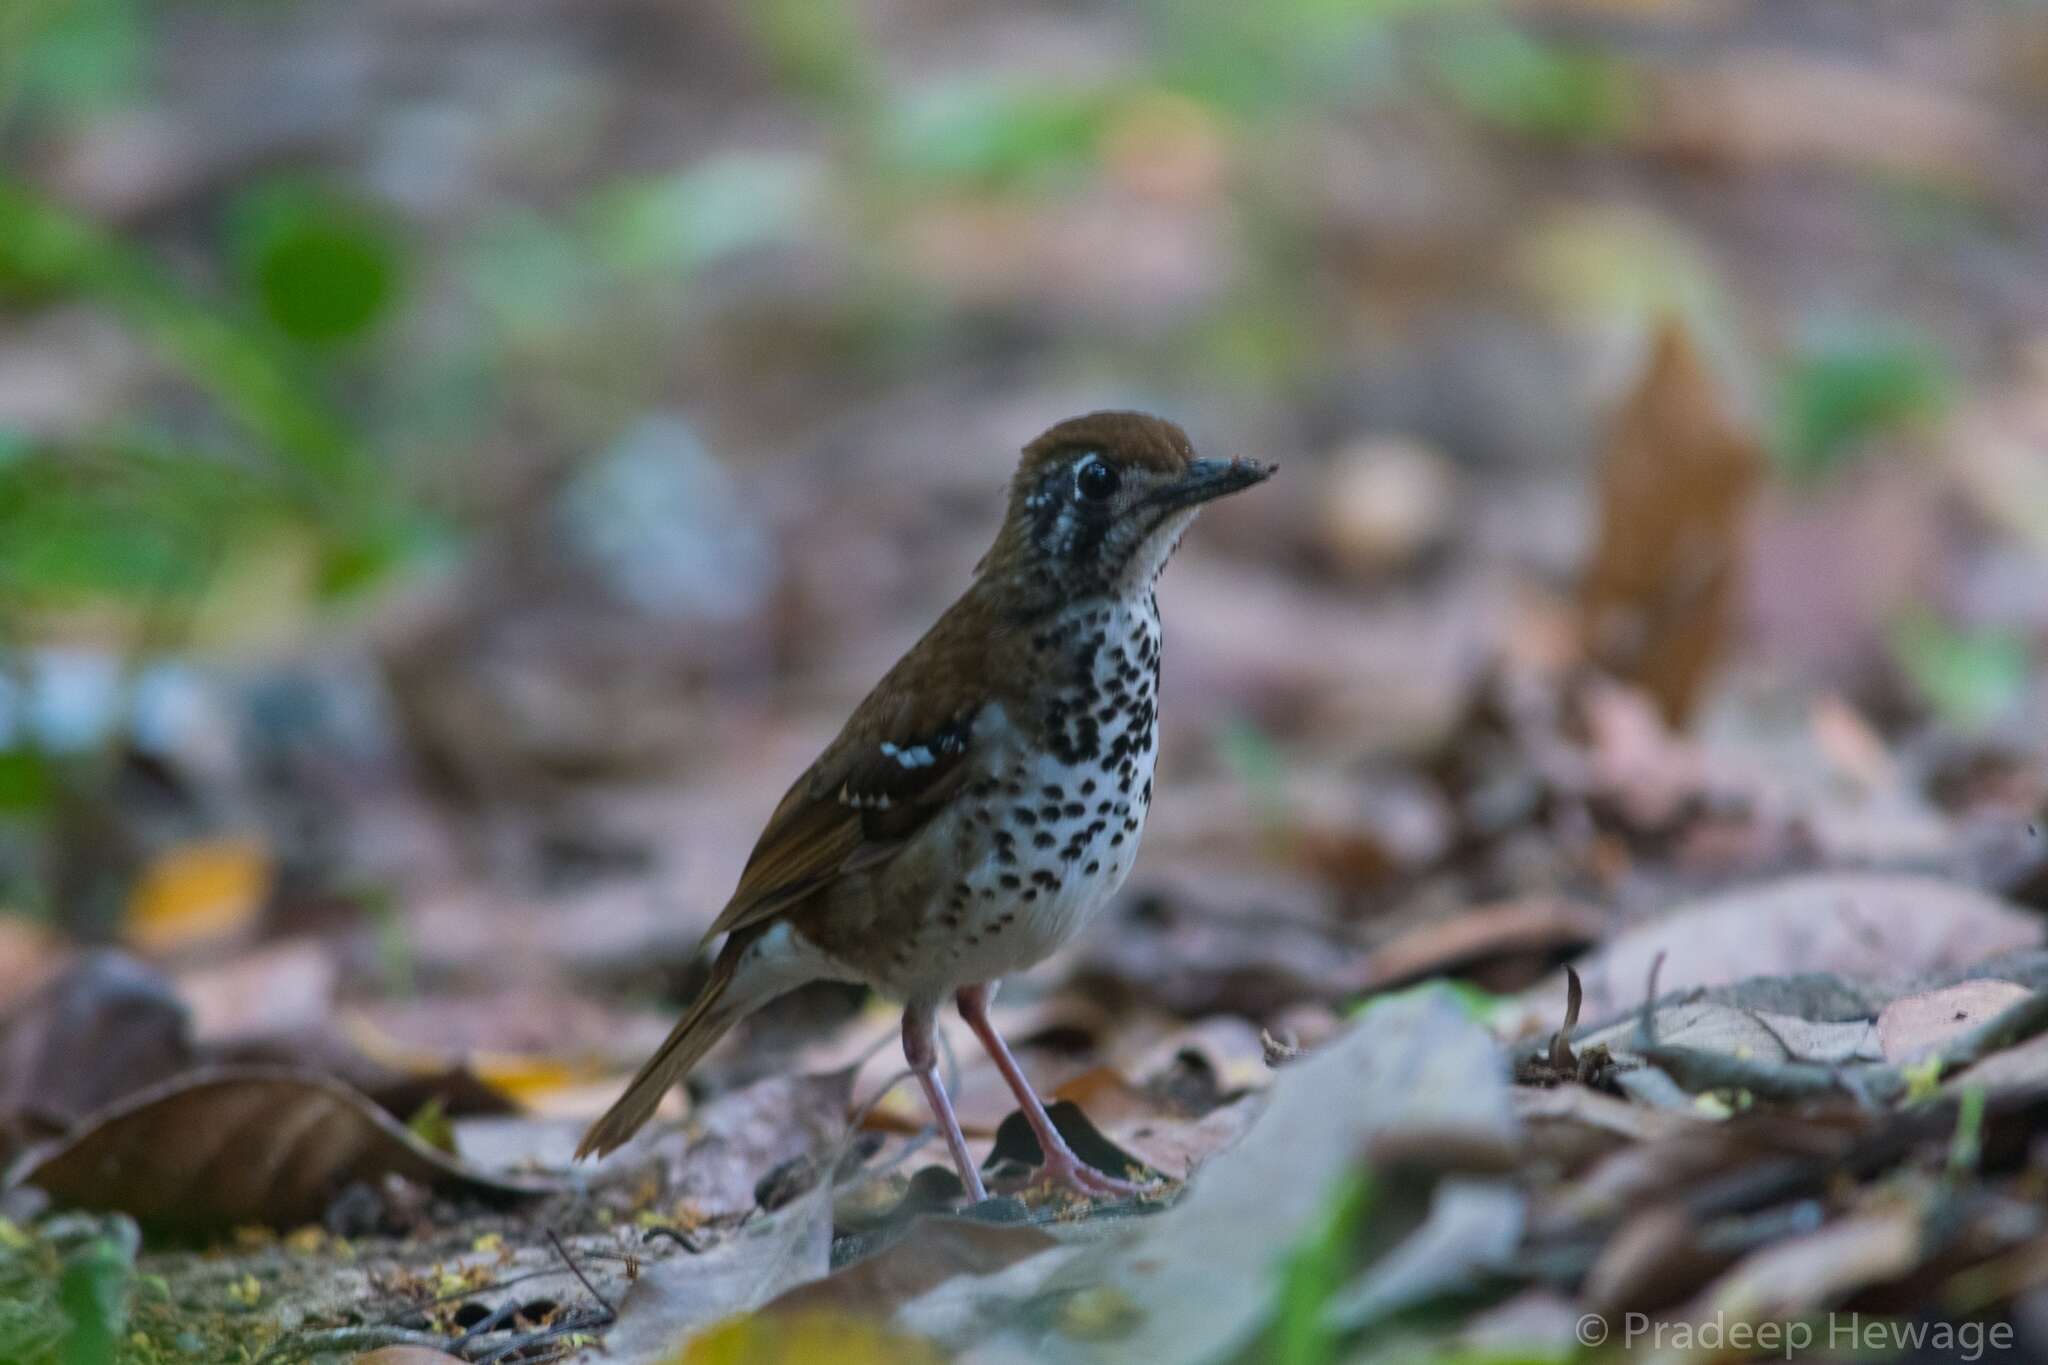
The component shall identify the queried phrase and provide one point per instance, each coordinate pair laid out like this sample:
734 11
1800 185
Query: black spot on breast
1092 868
1010 881
1053 791
1043 839
1088 787
1024 815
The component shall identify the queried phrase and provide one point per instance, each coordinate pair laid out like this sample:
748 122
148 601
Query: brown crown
1127 438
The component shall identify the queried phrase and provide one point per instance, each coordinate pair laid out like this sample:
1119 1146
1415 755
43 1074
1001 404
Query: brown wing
896 762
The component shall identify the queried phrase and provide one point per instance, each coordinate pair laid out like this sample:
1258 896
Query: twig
1561 1059
611 1314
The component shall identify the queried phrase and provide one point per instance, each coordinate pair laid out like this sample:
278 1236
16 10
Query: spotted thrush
987 797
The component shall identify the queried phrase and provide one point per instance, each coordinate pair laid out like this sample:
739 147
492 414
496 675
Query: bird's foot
1065 1172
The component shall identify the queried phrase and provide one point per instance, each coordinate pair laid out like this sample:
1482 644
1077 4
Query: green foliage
1535 88
131 516
93 1295
1314 1272
322 267
679 223
1968 677
817 49
64 1303
1280 56
63 56
1839 392
994 136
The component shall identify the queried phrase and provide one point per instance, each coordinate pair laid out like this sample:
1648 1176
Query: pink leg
924 1064
1061 1167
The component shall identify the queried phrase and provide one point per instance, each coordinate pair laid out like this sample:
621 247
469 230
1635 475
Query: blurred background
460 458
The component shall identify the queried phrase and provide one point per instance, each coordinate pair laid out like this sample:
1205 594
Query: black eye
1096 480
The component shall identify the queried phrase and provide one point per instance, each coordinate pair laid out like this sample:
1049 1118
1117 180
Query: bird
987 797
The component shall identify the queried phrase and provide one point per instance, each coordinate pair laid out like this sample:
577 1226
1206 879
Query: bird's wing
905 750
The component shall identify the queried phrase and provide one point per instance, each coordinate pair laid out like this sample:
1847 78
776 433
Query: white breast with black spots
1054 825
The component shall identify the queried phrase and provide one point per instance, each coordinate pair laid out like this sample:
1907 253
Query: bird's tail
707 1021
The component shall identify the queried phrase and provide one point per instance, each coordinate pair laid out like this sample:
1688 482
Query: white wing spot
917 756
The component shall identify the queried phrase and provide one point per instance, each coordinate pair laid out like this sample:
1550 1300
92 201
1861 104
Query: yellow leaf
804 1338
198 891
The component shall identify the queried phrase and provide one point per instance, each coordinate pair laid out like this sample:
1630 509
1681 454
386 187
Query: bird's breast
1043 833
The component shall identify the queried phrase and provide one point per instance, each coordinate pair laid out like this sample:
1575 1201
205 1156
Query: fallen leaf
1794 1277
934 1250
198 891
1915 1025
739 1138
1412 1073
1538 927
228 1147
800 1339
105 1028
1712 1026
673 1299
1872 926
1676 481
404 1355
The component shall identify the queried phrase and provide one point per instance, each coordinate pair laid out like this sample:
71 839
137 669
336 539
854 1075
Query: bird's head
1098 505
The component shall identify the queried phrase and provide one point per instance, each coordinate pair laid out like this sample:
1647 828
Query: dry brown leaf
1676 481
1861 926
934 1251
1913 1025
106 1028
740 1137
198 891
1536 927
233 1147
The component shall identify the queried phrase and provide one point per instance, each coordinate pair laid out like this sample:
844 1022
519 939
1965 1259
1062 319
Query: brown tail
686 1044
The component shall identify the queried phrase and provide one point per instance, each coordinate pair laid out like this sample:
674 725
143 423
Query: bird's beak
1209 479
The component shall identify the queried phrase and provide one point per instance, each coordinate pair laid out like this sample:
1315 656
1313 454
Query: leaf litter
1422 729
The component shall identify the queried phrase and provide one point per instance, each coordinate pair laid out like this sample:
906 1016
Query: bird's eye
1096 480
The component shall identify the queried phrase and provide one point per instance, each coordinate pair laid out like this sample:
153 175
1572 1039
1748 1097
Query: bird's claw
1064 1171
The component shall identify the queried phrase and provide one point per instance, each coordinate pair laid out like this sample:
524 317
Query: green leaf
1968 677
323 268
93 1295
43 245
1840 391
1302 1335
996 136
1535 88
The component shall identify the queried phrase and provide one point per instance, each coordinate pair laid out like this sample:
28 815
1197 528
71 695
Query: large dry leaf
674 1299
1414 1074
231 1147
1861 926
1914 1025
1676 482
741 1137
1534 928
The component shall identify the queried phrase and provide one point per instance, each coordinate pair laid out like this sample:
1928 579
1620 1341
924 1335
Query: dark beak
1209 479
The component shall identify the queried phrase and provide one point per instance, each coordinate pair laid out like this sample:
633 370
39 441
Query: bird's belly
1013 872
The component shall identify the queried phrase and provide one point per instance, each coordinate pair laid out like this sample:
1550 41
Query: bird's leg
1062 1166
923 1057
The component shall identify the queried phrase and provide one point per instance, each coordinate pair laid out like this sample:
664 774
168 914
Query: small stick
610 1313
